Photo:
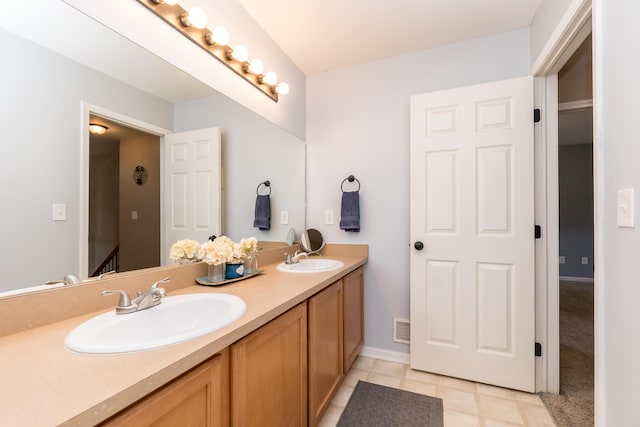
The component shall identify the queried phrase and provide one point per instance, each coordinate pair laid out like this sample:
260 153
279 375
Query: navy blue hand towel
350 211
262 219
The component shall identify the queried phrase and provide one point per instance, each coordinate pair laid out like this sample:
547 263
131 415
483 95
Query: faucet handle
161 292
124 301
155 285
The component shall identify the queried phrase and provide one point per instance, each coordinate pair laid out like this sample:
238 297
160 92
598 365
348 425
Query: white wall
258 151
615 36
358 123
548 16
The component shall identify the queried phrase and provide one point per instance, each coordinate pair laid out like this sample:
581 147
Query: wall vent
401 330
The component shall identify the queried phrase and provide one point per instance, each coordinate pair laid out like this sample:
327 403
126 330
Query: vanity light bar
234 58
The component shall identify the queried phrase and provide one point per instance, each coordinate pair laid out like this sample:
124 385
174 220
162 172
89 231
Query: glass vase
216 272
250 264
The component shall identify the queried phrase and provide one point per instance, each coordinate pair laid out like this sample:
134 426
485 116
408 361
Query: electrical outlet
585 260
284 217
328 217
563 259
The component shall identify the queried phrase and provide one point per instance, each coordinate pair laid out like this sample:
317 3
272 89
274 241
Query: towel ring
350 178
267 184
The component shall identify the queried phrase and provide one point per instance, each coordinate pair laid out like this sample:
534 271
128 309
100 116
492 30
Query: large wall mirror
44 86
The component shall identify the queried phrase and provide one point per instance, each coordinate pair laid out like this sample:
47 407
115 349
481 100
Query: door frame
572 29
87 109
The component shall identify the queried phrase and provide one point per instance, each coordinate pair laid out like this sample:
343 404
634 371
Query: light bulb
256 66
282 88
196 17
270 78
240 53
220 36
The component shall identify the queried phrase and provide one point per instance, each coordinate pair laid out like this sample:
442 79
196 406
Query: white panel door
472 283
192 182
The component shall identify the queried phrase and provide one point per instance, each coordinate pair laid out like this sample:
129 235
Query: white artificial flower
221 249
184 249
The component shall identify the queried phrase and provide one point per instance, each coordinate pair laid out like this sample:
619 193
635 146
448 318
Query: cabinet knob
418 245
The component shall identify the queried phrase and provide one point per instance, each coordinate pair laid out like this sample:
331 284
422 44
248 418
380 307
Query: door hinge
538 232
536 115
538 351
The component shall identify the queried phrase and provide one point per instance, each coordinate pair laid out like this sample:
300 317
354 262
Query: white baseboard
576 279
379 353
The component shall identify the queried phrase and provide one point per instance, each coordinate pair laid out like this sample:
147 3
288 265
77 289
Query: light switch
134 214
284 217
59 212
626 208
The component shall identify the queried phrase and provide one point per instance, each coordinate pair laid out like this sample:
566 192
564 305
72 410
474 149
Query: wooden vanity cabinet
336 335
283 374
269 373
198 398
325 349
353 297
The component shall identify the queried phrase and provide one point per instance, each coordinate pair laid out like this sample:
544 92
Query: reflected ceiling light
97 129
196 17
193 25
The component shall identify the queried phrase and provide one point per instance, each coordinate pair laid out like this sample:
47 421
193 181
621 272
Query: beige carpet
574 405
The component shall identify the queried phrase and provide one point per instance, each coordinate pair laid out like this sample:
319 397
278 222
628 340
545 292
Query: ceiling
115 130
325 35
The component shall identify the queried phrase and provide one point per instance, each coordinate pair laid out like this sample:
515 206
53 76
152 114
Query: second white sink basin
311 265
177 319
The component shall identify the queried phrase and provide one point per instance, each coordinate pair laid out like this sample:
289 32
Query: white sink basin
311 265
178 318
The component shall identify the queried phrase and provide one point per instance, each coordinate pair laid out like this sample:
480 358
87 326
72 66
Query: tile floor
465 403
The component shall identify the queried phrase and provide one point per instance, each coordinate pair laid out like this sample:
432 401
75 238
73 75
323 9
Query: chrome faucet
101 276
152 297
295 258
72 279
69 279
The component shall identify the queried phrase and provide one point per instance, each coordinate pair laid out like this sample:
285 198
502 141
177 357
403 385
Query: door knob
418 245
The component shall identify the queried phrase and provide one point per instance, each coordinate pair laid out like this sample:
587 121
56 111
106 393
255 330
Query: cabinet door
325 349
198 398
353 294
269 373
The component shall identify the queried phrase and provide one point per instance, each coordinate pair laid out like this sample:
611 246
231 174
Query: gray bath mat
377 405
